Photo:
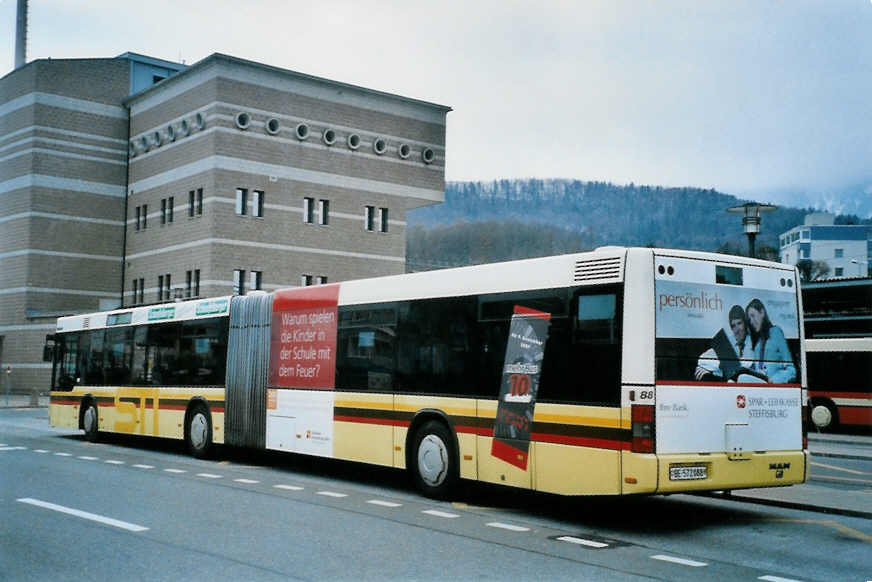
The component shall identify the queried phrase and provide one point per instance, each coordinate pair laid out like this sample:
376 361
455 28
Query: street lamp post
751 212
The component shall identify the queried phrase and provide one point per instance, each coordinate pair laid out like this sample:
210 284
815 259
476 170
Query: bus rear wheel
824 415
91 421
198 431
433 460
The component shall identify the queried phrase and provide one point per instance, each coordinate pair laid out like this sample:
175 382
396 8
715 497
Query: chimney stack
21 35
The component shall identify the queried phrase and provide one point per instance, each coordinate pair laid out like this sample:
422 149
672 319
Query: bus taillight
805 421
642 416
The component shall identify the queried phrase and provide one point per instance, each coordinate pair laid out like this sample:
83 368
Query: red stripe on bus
581 441
727 384
851 395
368 420
67 402
861 415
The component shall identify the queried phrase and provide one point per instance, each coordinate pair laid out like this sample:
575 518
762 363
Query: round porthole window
171 133
404 150
131 149
143 144
379 146
243 120
200 121
156 139
329 137
428 156
353 141
272 126
184 128
302 131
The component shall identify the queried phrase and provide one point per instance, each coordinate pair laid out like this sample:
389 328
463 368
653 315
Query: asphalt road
140 509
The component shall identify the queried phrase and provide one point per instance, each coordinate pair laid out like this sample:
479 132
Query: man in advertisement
730 350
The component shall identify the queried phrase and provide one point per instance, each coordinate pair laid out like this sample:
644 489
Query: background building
133 180
845 249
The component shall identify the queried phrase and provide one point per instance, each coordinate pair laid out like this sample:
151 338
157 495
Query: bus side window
595 350
366 345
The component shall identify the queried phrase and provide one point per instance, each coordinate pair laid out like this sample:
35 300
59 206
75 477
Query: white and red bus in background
618 371
840 382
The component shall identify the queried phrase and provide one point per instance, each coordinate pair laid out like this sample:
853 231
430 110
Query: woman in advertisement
772 358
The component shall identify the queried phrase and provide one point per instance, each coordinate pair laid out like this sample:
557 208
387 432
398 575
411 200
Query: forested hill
517 218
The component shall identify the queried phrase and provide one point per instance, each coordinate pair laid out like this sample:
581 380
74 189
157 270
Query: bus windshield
725 323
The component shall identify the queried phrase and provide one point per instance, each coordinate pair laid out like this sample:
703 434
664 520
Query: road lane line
582 542
209 475
682 561
84 515
331 494
87 458
246 481
114 462
40 451
437 513
777 579
5 448
384 503
835 468
144 466
288 487
175 470
508 526
63 455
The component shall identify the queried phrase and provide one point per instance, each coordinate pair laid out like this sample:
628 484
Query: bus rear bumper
719 471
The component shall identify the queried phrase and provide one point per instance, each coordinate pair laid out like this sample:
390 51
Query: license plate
688 473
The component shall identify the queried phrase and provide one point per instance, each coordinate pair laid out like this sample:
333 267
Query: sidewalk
22 401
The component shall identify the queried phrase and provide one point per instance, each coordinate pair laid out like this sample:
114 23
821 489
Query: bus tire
434 464
91 421
198 431
824 415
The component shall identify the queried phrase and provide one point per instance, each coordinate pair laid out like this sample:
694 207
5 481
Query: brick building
133 180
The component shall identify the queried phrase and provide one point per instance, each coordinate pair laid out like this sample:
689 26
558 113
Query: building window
324 212
321 280
170 205
805 235
239 282
383 219
305 280
257 203
167 287
255 280
159 287
163 210
192 283
190 204
199 202
369 218
138 217
135 290
840 253
309 210
840 271
144 216
241 201
141 290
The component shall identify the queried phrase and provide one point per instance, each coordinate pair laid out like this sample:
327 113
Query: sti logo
740 401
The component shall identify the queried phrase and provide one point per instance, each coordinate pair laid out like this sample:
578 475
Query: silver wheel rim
90 419
199 428
821 416
432 460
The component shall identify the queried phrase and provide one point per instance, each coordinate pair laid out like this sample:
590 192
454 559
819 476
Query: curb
789 505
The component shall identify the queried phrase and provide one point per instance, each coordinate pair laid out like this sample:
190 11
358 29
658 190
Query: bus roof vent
598 270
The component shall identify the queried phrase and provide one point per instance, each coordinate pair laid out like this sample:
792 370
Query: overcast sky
753 98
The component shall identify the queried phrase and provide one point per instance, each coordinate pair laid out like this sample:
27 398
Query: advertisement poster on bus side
522 367
303 337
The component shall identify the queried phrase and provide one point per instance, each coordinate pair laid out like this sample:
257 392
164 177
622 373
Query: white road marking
384 503
835 468
86 458
63 454
507 526
437 513
84 515
144 466
246 481
582 542
681 561
175 470
5 448
776 579
114 462
209 475
40 451
288 487
331 494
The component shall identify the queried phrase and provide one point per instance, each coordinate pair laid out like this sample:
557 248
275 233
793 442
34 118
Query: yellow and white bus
600 373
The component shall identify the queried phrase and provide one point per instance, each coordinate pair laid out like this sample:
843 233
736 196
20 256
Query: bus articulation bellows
618 371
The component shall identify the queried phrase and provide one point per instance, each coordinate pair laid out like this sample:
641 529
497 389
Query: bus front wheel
434 461
198 431
824 415
90 421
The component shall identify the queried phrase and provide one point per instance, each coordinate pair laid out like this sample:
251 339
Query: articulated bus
840 382
618 371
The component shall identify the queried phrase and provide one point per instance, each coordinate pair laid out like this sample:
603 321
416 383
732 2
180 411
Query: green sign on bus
213 306
159 313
